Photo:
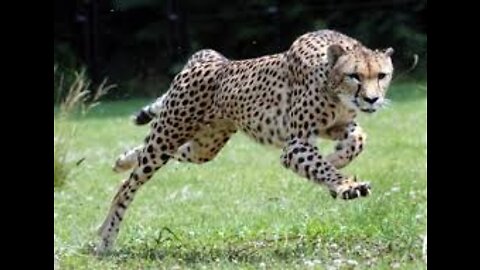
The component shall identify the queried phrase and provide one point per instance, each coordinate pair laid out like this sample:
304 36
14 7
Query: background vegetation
140 44
240 210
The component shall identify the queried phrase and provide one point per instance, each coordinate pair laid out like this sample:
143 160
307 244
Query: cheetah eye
354 76
381 75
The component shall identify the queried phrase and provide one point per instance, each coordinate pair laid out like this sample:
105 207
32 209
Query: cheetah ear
389 51
334 52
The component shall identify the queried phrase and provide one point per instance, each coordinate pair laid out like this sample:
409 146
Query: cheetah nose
370 100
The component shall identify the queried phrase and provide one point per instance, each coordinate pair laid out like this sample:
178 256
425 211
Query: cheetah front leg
303 158
351 140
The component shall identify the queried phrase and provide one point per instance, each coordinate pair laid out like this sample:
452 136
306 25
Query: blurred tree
141 44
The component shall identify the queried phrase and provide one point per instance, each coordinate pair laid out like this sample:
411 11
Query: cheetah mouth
365 110
355 104
368 110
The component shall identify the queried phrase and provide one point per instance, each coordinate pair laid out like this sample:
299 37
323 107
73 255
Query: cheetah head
360 78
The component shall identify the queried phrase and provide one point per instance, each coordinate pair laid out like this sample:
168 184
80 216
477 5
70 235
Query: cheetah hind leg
206 144
142 172
127 160
204 147
146 160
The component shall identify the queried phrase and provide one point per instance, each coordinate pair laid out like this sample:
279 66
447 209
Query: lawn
243 209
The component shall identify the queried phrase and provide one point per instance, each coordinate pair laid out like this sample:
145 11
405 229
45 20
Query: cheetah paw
121 166
351 189
102 248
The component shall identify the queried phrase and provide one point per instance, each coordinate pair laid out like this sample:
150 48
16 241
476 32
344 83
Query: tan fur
314 89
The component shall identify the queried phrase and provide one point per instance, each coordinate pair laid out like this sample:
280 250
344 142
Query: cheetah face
360 78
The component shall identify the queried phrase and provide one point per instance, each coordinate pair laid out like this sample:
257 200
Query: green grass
243 210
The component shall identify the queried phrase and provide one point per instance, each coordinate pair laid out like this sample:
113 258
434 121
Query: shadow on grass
289 248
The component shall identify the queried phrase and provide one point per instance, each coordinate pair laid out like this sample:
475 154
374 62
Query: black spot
147 169
118 216
145 160
301 160
164 157
121 205
150 149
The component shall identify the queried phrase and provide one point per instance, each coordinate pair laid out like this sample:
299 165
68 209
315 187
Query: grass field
243 210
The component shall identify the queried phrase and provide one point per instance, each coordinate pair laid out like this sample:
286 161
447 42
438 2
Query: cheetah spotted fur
314 89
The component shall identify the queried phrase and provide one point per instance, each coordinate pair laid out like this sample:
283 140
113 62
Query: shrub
78 99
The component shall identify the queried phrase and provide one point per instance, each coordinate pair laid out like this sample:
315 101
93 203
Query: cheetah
314 89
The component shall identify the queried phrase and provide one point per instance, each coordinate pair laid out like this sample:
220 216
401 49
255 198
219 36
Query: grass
243 210
75 99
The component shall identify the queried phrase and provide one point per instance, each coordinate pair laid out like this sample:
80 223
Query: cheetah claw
352 190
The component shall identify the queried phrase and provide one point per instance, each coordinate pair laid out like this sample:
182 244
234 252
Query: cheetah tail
142 117
148 112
